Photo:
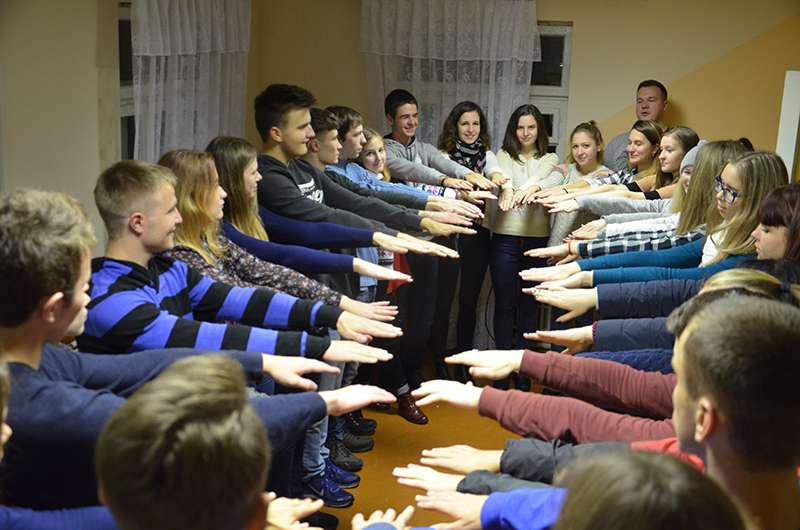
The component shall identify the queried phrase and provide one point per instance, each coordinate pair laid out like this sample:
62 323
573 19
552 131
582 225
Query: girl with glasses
727 239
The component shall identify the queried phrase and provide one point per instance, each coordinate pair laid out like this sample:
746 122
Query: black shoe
502 384
462 375
360 425
341 455
442 370
521 383
322 520
357 444
415 379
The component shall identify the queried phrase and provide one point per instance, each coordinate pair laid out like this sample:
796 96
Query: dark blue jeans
506 262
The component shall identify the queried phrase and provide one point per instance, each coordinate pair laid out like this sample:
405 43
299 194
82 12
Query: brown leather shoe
407 407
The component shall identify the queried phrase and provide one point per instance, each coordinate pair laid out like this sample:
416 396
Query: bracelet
569 247
566 191
442 179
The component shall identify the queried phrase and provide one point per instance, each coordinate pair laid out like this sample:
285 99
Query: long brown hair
449 137
232 156
511 143
652 132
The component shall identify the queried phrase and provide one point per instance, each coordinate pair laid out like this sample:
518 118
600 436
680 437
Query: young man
141 301
60 399
736 406
188 451
651 103
283 120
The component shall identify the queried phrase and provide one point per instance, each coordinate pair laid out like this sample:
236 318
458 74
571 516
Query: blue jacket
674 263
644 299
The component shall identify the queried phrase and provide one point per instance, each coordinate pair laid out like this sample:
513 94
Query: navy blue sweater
58 411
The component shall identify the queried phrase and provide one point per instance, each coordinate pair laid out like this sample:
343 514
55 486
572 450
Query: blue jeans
507 260
315 452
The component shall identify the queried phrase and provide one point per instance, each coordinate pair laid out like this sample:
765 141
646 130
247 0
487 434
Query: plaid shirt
628 243
623 176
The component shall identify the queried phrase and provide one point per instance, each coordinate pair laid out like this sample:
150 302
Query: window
550 81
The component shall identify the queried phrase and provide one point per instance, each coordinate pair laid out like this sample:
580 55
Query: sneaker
343 478
322 520
341 455
357 444
322 487
359 425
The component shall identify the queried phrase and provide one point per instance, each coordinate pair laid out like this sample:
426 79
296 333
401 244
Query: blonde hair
187 450
757 281
127 187
759 172
695 204
369 135
233 156
199 229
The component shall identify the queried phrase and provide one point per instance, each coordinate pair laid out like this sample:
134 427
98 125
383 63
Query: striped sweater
171 305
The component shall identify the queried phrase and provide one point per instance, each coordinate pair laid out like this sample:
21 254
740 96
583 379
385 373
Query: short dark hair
346 117
742 352
511 143
653 82
447 140
322 121
396 99
275 102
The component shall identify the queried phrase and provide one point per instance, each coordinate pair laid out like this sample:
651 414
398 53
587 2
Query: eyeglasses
728 194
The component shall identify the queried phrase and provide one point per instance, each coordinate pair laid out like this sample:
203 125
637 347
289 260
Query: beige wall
308 43
60 95
615 45
737 94
59 84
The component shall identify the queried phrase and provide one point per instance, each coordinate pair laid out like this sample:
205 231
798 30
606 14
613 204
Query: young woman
517 227
690 208
675 144
201 244
292 242
465 139
741 187
643 151
584 161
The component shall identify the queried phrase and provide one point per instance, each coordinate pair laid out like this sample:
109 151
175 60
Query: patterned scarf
472 157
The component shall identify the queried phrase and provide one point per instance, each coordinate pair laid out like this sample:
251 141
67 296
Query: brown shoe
407 407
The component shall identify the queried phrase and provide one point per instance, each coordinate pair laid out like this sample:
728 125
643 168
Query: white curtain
189 72
447 51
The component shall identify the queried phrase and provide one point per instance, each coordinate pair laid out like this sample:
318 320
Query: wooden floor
398 443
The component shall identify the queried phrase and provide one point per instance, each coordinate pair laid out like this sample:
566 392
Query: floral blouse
243 269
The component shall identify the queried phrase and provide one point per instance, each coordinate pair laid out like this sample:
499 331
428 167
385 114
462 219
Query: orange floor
398 442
